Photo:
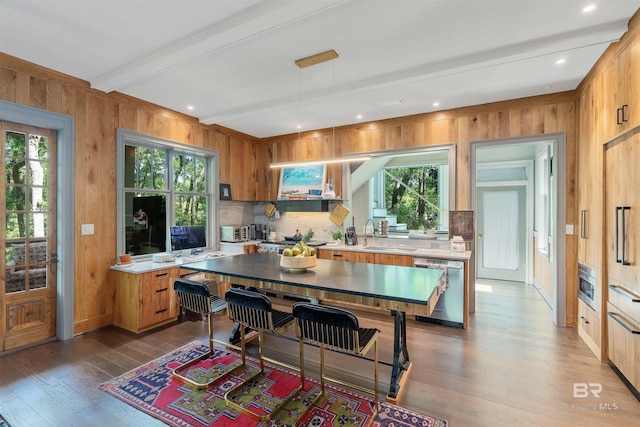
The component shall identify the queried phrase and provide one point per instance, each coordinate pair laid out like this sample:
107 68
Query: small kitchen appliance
234 233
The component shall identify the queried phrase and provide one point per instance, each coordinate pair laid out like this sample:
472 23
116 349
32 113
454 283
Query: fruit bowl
297 263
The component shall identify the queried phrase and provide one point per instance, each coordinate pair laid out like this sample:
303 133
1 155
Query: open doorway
519 197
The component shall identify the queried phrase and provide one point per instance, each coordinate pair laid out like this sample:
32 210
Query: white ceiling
233 60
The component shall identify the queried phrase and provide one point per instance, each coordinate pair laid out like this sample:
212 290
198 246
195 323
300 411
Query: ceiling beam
256 22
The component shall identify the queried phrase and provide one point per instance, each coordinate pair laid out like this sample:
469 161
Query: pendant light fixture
307 62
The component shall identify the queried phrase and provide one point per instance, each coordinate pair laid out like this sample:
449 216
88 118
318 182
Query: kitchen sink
389 249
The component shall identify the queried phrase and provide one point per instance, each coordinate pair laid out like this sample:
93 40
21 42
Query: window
542 206
161 184
417 195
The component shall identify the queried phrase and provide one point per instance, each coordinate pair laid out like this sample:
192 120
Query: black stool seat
197 297
338 330
253 310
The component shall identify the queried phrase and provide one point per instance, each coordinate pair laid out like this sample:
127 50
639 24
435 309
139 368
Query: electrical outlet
87 229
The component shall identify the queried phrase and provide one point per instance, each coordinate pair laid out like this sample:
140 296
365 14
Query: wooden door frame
559 241
64 127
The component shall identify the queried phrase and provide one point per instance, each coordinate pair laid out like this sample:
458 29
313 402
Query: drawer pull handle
161 274
624 324
161 311
584 319
162 290
624 293
337 255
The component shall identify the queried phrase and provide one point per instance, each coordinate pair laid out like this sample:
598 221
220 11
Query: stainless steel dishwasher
449 310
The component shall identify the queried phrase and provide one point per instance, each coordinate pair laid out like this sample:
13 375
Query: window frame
212 162
543 227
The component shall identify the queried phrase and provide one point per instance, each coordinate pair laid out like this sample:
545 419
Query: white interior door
501 239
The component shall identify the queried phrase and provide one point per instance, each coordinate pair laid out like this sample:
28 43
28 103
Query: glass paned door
29 223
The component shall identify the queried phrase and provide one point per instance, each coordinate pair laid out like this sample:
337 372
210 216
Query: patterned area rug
152 389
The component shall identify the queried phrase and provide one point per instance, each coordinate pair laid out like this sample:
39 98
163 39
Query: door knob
479 236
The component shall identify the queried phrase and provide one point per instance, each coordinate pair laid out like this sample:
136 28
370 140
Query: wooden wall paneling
538 120
222 144
53 98
480 127
80 297
106 212
196 135
37 93
463 195
96 110
413 134
378 135
145 122
7 84
437 131
22 88
393 137
68 101
526 121
128 118
550 118
362 141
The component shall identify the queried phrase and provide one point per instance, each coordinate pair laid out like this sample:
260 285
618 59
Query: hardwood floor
511 367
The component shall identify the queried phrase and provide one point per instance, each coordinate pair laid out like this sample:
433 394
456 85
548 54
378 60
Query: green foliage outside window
25 169
405 204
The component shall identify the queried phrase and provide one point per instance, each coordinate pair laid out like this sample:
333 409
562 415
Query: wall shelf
320 205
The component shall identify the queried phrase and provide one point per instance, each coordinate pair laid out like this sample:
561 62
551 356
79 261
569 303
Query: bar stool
197 297
254 310
337 330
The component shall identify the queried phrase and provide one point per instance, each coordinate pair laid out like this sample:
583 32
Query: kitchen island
400 290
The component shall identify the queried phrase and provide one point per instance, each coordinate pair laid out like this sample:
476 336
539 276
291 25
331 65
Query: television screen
188 237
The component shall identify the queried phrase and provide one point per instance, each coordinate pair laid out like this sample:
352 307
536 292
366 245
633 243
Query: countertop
141 267
419 249
387 282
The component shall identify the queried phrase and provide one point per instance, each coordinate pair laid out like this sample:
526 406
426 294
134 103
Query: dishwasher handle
422 263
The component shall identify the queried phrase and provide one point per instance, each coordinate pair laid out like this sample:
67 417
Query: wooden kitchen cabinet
370 257
590 327
623 333
622 210
590 179
145 301
350 256
391 259
621 90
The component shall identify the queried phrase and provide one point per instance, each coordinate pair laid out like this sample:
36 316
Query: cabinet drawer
589 322
156 300
625 299
624 344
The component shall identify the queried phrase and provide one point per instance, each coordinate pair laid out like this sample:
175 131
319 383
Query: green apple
287 252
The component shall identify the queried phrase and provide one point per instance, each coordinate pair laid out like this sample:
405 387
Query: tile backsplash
245 213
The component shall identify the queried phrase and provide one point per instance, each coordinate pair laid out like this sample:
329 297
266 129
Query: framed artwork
302 181
225 192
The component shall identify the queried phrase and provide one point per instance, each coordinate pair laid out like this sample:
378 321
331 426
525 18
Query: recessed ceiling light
436 104
561 61
589 8
299 127
359 116
189 107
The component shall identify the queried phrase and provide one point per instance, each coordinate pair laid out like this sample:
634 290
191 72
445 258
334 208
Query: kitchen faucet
364 231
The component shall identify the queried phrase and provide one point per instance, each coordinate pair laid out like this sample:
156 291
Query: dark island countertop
415 286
